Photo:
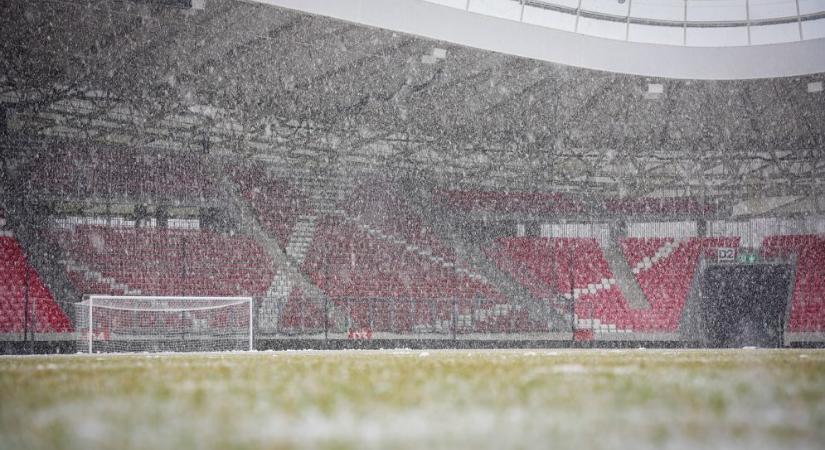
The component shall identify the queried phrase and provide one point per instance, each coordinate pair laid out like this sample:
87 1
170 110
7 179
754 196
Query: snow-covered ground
417 399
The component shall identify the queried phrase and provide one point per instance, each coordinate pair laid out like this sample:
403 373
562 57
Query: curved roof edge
530 41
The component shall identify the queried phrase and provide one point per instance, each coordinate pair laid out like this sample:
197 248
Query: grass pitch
416 399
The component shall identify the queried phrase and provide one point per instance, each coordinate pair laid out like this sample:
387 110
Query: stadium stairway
625 277
666 247
363 218
276 202
287 276
538 310
301 237
690 324
604 285
322 199
92 276
538 287
664 281
664 268
790 334
413 248
478 307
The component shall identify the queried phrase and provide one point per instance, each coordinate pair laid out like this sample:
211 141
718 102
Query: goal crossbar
162 305
95 300
194 308
163 297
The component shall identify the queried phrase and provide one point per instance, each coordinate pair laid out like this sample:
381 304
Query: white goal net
106 323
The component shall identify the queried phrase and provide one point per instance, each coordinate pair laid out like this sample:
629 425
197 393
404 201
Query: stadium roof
689 39
309 92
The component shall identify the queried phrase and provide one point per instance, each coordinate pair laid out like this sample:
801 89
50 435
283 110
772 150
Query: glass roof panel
602 28
811 6
461 4
716 23
567 3
653 34
766 9
717 37
612 7
773 34
549 18
813 29
499 8
716 10
658 9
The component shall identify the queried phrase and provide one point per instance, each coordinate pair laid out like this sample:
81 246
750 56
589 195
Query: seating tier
164 262
16 292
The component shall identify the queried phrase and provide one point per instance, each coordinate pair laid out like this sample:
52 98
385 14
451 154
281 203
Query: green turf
417 399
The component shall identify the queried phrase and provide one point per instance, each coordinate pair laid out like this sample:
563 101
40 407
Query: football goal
107 323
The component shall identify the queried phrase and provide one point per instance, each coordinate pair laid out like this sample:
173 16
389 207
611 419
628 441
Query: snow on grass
486 399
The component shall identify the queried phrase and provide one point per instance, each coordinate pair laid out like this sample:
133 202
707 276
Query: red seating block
14 269
565 264
808 298
126 173
166 262
347 262
277 201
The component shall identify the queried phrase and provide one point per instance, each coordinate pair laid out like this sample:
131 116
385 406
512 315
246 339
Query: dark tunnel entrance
744 305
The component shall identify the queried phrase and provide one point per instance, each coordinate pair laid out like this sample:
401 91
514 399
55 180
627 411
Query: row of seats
666 283
303 315
665 206
15 288
563 264
277 202
503 202
348 262
360 271
577 266
378 205
636 250
164 262
126 173
383 251
540 202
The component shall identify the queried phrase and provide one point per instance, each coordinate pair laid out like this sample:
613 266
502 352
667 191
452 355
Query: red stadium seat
166 262
808 298
559 261
49 317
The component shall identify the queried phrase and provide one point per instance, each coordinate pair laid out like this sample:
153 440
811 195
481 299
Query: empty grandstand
378 184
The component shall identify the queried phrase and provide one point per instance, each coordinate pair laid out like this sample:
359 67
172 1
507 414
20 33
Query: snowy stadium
235 224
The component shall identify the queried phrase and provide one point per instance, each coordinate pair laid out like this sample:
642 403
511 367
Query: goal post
138 323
